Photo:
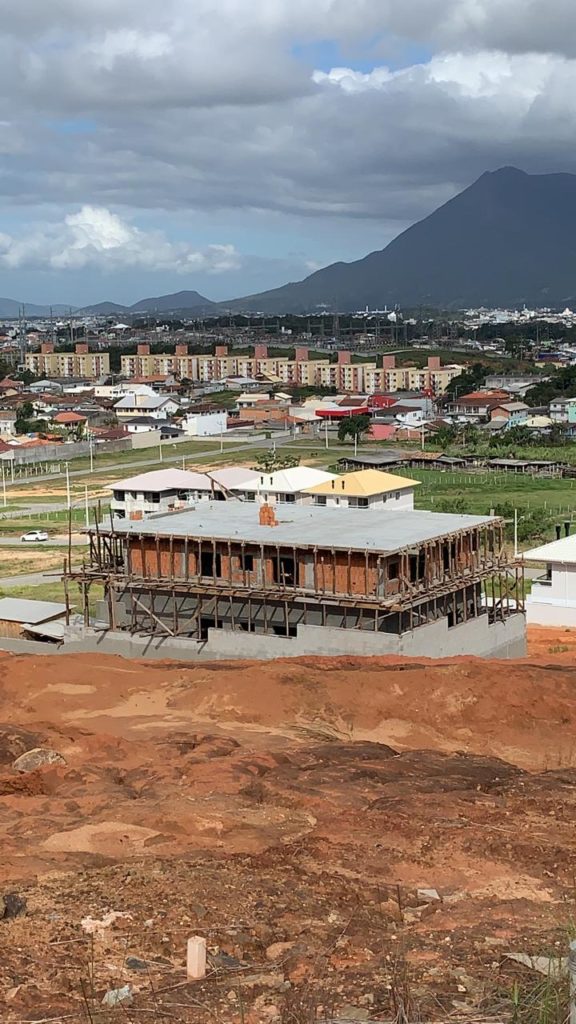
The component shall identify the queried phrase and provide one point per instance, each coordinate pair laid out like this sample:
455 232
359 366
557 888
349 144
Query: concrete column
196 957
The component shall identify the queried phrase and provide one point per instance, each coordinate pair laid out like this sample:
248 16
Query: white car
34 536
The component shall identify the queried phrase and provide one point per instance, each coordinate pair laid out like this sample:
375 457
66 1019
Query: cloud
94 237
118 112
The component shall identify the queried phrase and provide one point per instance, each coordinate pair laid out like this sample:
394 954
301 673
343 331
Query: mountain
10 308
104 309
157 304
508 239
168 303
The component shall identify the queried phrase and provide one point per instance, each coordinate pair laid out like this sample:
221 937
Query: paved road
31 546
100 467
29 579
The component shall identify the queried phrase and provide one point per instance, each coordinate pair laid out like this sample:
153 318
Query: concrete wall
554 604
478 638
393 500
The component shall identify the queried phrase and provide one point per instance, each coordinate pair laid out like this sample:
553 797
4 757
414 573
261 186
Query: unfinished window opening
282 631
284 571
206 623
393 570
246 561
417 566
208 565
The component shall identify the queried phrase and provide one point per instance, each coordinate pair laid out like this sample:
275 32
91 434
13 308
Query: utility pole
22 340
68 500
86 504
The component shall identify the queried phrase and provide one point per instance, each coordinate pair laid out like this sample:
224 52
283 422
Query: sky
230 146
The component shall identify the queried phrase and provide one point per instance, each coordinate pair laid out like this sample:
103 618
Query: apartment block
79 363
344 375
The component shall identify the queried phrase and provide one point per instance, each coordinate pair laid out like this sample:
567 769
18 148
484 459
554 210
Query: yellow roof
363 484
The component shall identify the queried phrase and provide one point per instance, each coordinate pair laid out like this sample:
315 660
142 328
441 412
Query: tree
26 411
470 380
354 427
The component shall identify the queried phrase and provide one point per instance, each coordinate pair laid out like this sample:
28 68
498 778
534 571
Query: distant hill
11 308
508 239
104 309
176 301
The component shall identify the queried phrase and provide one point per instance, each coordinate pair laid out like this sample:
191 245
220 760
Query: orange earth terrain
350 835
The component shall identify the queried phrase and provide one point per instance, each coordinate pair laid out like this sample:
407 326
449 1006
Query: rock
278 950
225 960
15 741
134 963
114 996
353 1013
12 905
429 895
37 758
93 926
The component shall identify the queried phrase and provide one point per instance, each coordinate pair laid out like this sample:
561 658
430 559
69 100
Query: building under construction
231 579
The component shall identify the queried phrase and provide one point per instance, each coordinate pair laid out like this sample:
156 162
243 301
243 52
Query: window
290 498
284 570
393 570
246 562
207 565
321 499
362 502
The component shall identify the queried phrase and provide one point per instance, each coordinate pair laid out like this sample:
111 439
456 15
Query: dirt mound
317 802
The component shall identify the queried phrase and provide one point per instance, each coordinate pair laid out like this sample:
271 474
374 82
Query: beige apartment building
344 375
79 363
433 378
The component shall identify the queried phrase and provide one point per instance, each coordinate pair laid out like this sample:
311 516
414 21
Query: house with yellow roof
367 488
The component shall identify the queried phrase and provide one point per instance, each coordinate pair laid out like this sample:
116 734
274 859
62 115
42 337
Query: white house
122 388
205 424
8 419
367 488
552 600
285 485
162 490
159 407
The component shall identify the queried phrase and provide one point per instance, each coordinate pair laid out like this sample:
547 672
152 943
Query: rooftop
306 526
363 483
165 480
563 551
16 609
297 478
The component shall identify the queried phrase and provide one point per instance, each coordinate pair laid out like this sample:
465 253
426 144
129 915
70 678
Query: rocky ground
361 839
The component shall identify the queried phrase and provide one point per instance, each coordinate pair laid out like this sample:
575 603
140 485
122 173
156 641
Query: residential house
563 410
284 485
366 488
477 406
158 407
8 419
70 420
552 599
512 413
205 423
163 490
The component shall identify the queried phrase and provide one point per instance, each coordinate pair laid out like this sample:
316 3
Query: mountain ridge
507 239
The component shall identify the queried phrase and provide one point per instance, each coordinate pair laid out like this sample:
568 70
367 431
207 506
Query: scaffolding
165 584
